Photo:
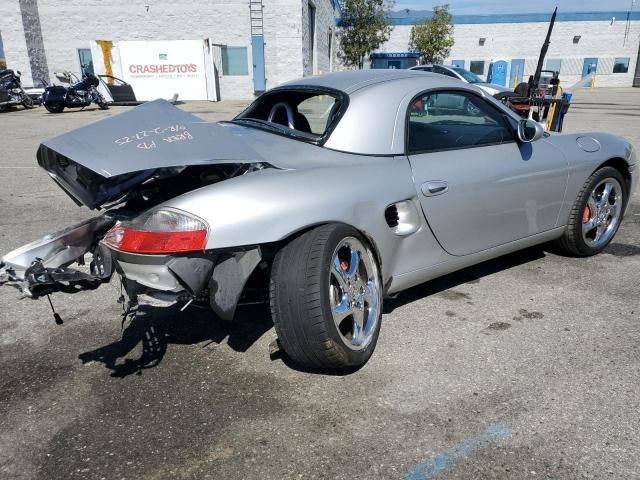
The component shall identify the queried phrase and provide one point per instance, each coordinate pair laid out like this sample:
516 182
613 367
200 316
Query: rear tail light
158 231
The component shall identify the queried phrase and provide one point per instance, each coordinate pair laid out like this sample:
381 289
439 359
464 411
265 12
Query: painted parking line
435 466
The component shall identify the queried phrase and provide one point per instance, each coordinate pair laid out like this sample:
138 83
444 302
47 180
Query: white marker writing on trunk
148 133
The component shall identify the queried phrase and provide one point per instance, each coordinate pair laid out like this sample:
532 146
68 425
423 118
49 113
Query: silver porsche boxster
326 194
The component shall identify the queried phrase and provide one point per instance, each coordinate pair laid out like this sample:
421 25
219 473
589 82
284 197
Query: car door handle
434 187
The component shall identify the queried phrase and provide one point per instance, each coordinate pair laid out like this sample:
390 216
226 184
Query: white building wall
15 45
323 35
287 32
283 41
508 41
73 24
67 26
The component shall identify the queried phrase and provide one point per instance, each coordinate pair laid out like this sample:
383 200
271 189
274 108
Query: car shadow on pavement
157 328
471 274
622 250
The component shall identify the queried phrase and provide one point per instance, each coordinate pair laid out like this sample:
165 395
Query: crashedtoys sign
190 68
155 69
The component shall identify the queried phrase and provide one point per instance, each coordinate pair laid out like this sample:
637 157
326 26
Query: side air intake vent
403 217
391 216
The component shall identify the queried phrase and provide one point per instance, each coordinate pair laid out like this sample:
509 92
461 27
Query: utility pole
627 27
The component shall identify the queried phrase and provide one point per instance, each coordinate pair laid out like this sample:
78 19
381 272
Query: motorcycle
79 95
11 91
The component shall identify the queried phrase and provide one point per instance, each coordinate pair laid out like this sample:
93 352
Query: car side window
443 71
446 120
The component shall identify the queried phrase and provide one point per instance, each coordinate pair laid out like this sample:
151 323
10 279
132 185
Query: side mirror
529 131
19 72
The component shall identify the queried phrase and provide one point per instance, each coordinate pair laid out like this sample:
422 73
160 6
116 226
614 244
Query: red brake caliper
586 215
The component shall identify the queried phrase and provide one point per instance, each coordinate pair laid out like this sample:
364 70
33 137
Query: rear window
298 112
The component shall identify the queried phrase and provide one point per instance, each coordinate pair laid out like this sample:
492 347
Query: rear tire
594 220
102 104
28 103
54 107
326 300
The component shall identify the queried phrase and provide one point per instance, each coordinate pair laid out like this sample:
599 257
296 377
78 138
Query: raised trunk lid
99 163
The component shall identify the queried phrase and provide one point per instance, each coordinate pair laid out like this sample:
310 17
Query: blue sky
464 7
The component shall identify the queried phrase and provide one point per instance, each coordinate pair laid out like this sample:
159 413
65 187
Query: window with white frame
477 67
554 64
621 65
234 61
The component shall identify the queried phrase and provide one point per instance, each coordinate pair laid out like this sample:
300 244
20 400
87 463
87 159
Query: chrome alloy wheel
602 212
355 293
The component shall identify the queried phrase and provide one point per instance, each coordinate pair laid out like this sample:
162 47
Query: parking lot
527 366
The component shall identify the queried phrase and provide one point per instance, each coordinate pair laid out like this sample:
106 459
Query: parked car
330 193
464 75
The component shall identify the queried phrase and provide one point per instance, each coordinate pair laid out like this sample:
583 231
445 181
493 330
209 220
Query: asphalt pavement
524 367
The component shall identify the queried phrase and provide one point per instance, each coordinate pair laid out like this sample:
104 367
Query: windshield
303 113
467 75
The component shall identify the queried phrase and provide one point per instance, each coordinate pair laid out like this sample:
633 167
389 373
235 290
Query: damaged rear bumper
45 266
41 267
217 277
